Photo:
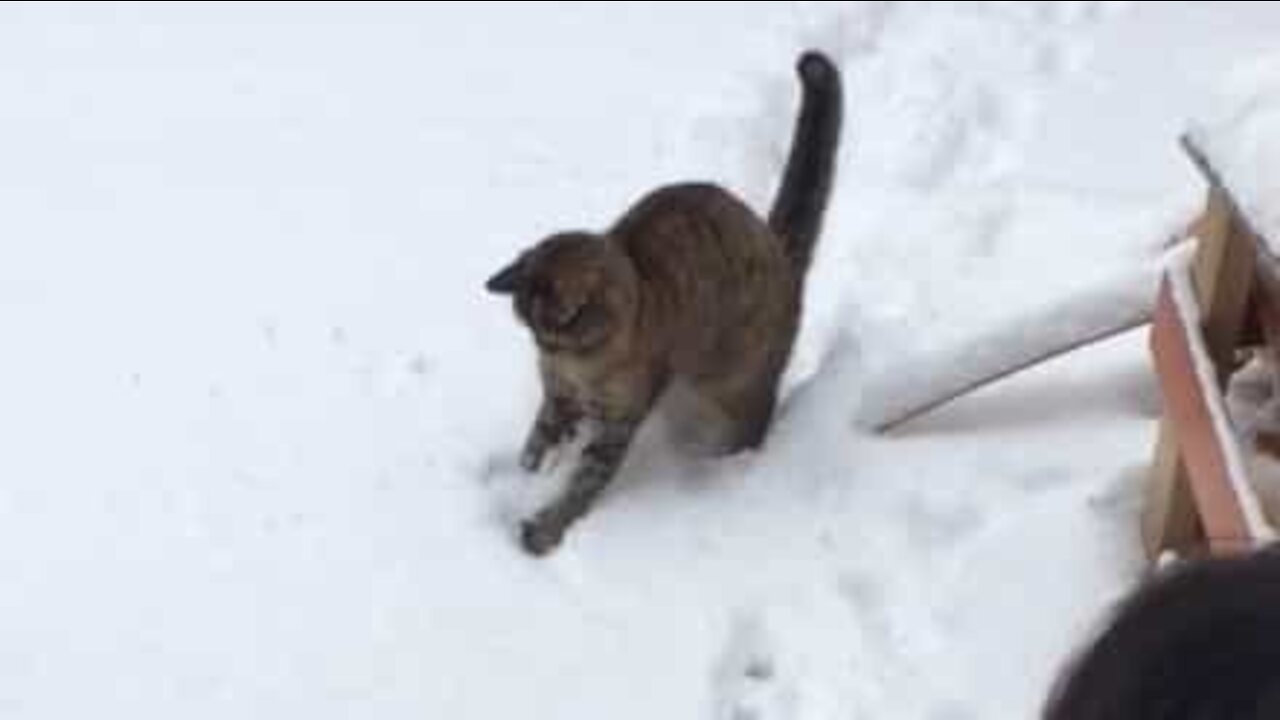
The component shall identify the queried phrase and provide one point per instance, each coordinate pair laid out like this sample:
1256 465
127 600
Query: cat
1198 642
690 285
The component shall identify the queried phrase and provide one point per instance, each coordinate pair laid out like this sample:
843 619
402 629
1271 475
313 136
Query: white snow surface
1239 132
257 415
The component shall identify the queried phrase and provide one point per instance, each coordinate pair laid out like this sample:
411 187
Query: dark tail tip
801 202
817 69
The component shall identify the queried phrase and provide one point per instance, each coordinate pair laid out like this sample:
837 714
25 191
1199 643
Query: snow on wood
908 389
1183 294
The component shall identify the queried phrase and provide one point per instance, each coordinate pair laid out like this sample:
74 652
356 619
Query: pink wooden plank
1186 405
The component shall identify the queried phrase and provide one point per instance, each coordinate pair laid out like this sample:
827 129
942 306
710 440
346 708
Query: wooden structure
1224 301
1208 315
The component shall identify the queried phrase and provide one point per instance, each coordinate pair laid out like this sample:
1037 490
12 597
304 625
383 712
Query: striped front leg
556 423
600 462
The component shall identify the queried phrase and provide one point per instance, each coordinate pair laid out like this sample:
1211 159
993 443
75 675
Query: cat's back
698 202
702 230
711 270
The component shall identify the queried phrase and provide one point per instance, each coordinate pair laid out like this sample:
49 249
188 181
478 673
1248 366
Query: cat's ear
507 280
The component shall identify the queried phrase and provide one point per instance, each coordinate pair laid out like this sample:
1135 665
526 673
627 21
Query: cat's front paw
539 538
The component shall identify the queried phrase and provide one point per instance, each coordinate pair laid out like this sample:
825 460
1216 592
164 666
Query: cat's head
574 291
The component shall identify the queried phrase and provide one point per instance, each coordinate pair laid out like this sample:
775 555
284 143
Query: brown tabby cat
690 285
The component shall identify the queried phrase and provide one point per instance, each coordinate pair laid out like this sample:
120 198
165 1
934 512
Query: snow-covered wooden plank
915 386
1222 277
1228 509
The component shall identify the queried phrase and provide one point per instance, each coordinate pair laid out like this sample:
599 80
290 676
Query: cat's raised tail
802 198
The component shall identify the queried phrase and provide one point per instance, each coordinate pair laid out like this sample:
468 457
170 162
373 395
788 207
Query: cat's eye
567 320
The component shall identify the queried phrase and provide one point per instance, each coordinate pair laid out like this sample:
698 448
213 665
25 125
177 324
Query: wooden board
1201 446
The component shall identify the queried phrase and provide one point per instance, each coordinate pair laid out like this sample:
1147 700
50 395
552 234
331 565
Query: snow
1254 409
904 388
1239 134
259 416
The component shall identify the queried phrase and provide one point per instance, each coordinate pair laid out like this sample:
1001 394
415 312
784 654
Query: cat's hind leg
745 403
749 417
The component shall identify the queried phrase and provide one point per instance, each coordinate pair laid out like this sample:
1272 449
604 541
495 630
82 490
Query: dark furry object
1201 642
